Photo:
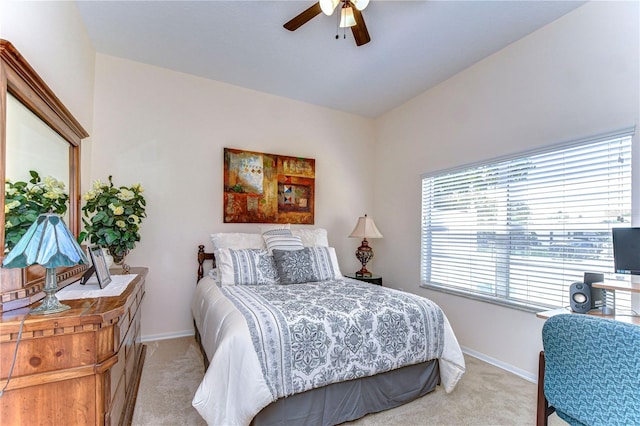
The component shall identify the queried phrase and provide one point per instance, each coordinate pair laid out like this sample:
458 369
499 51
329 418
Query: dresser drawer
130 313
117 375
65 402
123 328
42 354
116 408
132 350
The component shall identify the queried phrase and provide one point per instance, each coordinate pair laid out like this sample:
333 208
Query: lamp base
50 305
364 253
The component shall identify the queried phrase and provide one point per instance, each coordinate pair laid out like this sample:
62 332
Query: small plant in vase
25 201
112 217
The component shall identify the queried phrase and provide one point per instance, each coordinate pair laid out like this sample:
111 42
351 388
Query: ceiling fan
350 16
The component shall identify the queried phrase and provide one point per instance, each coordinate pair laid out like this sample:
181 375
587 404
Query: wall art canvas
268 188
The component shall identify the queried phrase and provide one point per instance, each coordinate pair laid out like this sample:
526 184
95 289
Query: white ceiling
414 44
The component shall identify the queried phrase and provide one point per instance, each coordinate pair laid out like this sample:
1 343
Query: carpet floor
486 395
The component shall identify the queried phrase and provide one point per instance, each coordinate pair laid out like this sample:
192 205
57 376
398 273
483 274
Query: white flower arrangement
25 201
112 217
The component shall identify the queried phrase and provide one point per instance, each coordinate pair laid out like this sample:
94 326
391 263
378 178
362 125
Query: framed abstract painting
268 188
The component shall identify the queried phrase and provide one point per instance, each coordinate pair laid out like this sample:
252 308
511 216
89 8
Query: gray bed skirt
346 401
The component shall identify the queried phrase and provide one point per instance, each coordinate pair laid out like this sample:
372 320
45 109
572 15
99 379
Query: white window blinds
520 230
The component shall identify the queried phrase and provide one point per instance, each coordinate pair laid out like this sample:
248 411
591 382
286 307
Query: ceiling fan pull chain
338 26
344 29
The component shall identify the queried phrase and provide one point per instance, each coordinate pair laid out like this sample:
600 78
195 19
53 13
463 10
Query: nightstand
373 279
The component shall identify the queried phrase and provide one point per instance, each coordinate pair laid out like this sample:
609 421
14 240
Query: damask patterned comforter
271 341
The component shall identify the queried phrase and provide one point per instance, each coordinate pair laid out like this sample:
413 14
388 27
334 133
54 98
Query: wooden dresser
79 367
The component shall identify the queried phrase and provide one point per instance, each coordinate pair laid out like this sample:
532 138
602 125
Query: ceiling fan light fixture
360 4
328 6
347 19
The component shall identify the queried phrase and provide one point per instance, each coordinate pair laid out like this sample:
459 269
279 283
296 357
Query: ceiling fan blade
359 30
303 17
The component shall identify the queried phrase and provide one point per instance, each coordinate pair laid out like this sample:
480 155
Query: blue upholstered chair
589 371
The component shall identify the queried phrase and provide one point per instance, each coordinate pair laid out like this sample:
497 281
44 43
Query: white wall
576 77
53 39
167 130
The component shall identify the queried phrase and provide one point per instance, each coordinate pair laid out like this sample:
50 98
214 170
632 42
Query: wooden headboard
202 256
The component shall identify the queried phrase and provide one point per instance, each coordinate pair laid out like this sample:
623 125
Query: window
520 230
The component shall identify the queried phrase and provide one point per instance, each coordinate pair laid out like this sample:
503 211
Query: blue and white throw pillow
309 264
246 267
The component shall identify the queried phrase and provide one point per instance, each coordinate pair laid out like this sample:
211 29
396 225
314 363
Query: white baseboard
165 336
503 365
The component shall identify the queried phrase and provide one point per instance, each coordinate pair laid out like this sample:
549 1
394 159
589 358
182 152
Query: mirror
37 132
32 145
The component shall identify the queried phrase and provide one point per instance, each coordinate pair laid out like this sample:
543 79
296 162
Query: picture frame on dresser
100 263
99 268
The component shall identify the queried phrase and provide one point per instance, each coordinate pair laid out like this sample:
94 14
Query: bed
288 340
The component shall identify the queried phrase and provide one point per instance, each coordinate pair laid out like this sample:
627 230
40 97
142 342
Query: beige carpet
486 395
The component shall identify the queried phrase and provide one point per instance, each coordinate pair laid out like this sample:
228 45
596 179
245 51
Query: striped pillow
281 239
277 231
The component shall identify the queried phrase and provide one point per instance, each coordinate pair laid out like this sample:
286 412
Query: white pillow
312 237
237 241
334 262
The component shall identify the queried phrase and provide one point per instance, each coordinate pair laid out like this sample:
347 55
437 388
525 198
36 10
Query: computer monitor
626 250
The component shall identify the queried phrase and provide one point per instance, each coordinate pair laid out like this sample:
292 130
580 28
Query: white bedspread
233 389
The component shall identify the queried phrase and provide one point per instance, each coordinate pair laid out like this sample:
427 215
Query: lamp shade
360 4
328 6
48 242
346 18
365 228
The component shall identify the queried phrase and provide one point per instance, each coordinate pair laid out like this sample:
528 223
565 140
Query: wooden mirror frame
21 287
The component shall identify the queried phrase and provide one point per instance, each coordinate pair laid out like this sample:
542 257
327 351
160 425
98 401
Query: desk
632 285
609 288
595 312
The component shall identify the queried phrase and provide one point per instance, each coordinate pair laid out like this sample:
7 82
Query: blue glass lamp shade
49 243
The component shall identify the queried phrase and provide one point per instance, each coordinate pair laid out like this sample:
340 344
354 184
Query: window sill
486 299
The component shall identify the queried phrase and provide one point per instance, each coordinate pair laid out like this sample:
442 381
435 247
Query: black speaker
597 299
580 297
